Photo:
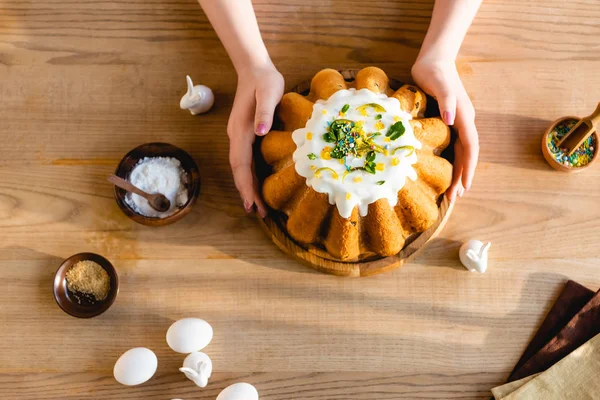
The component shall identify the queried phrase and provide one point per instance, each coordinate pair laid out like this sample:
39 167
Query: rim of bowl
555 164
59 287
162 150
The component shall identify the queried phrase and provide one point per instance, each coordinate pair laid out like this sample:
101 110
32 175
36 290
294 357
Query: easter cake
356 170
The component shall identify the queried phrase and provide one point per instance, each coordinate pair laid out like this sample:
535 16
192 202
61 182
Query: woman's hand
259 90
440 79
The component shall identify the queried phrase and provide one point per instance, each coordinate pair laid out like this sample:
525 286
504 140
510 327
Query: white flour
162 175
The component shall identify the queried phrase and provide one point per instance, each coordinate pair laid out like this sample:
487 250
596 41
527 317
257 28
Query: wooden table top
83 82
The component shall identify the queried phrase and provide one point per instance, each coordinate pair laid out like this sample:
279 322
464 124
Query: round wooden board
320 260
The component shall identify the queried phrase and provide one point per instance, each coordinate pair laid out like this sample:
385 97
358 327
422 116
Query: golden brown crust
434 170
412 100
312 220
280 187
306 218
383 228
372 78
277 146
294 111
342 241
415 208
432 132
325 83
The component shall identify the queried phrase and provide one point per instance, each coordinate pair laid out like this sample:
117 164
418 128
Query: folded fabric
575 377
572 299
502 391
581 328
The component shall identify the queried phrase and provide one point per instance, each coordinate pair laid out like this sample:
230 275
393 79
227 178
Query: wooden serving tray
318 258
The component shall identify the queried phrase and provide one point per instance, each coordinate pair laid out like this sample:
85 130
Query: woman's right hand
259 90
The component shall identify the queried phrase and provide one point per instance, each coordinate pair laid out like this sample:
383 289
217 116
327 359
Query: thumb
447 104
266 102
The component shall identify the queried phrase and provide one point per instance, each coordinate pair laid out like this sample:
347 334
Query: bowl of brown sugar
85 285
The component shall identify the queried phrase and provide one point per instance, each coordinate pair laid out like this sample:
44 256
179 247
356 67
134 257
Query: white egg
197 367
135 366
189 334
239 391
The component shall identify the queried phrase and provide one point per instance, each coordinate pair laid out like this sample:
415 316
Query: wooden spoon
580 132
157 201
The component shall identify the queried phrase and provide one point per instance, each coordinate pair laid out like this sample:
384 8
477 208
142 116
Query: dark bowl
82 307
158 150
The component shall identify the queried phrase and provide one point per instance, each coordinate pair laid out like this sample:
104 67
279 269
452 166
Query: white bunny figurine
197 367
198 99
474 255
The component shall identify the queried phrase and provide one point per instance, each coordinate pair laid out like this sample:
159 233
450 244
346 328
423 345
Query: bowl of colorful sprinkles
85 285
558 158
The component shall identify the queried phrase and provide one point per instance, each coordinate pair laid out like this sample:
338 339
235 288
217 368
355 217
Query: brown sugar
89 278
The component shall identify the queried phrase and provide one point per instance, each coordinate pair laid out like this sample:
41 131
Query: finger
469 138
471 155
240 158
266 101
260 205
447 104
456 172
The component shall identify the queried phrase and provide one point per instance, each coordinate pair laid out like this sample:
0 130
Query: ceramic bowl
77 305
555 164
158 150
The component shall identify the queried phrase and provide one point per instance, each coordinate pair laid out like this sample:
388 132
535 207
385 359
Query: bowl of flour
158 168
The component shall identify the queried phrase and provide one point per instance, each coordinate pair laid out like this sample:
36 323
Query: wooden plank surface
82 82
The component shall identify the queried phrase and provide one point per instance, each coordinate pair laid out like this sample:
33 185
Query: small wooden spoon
580 132
157 201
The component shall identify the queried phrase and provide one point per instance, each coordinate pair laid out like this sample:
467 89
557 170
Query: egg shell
135 366
239 391
189 335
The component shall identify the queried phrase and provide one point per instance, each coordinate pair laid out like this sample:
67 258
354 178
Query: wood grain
83 82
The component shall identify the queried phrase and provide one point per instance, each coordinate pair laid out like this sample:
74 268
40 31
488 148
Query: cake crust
310 217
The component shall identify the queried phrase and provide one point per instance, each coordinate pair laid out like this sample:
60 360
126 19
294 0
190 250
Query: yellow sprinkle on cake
309 136
395 161
396 119
326 153
380 167
387 139
379 125
348 196
358 179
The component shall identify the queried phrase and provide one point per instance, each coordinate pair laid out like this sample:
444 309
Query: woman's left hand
440 79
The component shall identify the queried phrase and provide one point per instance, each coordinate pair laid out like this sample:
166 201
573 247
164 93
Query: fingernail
247 207
261 129
448 118
262 213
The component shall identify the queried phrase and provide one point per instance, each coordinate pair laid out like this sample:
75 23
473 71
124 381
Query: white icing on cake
359 187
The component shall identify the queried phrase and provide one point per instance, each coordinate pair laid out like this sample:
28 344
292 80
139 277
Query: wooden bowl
555 164
158 150
80 306
318 258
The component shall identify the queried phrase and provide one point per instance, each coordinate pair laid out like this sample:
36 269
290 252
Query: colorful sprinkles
581 157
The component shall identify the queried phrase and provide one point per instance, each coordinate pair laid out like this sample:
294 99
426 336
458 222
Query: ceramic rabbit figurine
198 99
474 255
197 367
